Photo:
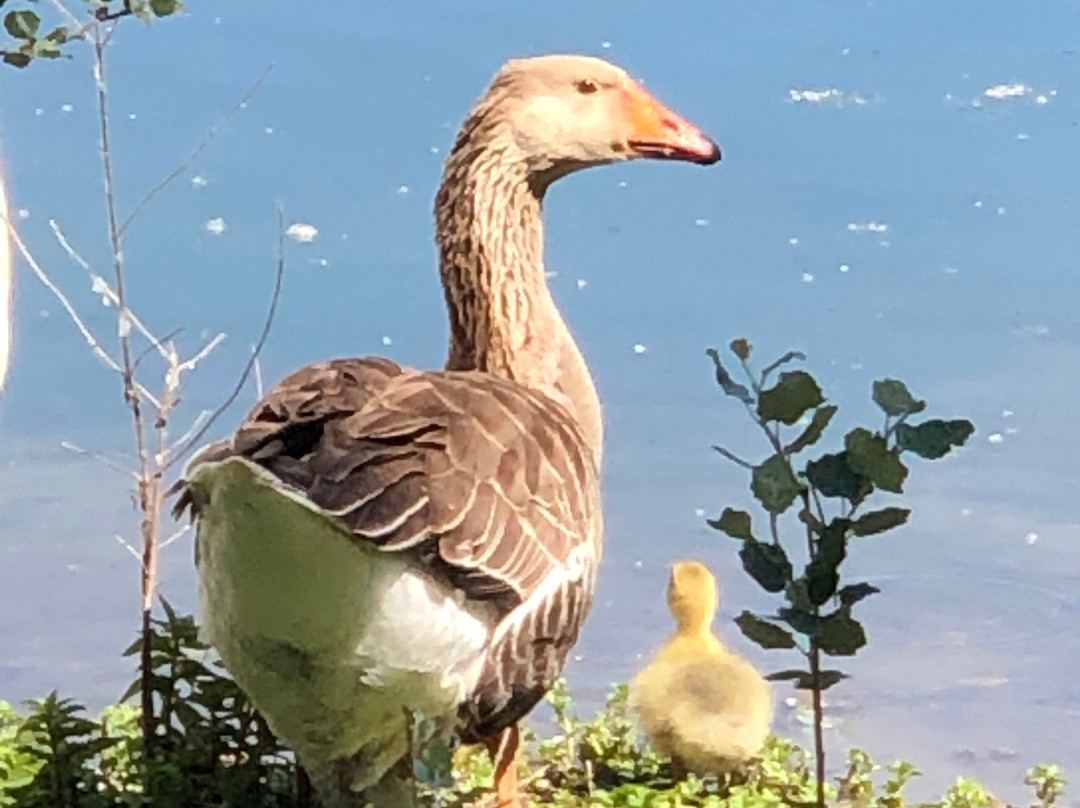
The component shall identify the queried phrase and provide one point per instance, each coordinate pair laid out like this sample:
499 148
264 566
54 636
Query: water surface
876 208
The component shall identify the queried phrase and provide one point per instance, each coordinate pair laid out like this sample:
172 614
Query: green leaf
853 593
141 9
813 431
821 581
804 680
727 384
933 439
46 49
797 595
869 455
767 564
841 634
767 635
832 544
830 549
803 621
58 35
132 689
894 398
833 476
782 676
742 348
879 521
22 24
165 8
789 398
735 523
17 58
170 612
774 484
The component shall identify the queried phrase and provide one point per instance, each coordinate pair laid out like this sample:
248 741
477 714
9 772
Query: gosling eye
586 86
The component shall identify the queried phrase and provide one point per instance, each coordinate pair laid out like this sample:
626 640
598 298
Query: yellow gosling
700 704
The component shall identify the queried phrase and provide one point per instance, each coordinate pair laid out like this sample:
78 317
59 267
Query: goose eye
586 87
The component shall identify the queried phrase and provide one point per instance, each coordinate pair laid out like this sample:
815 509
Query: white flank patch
216 226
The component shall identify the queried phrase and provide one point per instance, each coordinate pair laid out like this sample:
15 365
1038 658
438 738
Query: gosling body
699 703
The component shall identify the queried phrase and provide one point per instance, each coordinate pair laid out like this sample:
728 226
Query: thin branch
101 286
71 447
91 340
127 546
66 12
774 528
184 448
88 335
734 458
189 364
103 14
177 535
191 158
196 425
158 345
258 376
115 244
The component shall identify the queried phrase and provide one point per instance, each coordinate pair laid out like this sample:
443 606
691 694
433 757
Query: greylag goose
377 542
699 703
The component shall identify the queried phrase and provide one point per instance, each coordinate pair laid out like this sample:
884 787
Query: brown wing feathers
487 484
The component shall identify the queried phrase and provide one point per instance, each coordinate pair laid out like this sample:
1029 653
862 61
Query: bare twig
196 425
159 345
215 130
101 286
258 376
734 458
177 535
127 546
71 447
185 447
65 11
92 341
150 477
189 364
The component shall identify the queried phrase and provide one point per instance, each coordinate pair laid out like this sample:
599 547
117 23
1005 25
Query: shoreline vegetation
212 749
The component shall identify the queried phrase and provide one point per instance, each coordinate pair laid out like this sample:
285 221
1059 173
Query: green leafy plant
1048 782
28 42
829 494
55 755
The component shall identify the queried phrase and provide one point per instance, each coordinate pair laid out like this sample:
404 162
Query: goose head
561 113
693 595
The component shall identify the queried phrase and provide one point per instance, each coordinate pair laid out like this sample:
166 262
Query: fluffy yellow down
702 705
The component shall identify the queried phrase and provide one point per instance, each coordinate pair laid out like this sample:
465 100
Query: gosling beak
659 134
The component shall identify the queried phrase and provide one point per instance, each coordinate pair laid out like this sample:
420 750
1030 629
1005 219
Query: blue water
968 294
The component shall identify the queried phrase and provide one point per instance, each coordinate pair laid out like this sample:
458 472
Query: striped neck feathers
489 229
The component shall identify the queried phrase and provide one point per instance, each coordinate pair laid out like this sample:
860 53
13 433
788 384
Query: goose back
478 481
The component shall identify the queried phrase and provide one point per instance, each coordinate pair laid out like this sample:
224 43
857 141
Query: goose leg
503 749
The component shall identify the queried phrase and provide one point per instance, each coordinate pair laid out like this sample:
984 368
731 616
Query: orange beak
660 134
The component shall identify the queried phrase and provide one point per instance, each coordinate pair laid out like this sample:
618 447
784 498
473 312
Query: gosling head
559 113
693 596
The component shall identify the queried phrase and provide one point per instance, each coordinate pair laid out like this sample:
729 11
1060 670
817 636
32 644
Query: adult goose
377 542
